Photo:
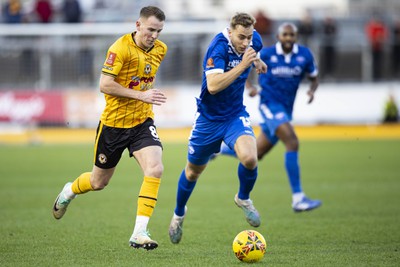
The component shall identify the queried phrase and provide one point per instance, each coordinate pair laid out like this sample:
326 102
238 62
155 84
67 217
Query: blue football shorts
206 136
273 114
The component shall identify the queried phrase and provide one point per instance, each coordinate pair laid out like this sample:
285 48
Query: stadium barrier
180 135
333 104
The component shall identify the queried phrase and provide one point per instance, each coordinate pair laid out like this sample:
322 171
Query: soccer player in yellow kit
127 80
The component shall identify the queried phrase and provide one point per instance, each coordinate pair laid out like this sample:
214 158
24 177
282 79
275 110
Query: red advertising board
31 106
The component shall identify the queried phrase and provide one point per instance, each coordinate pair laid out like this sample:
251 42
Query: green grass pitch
357 225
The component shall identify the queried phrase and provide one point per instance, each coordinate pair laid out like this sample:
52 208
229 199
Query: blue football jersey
221 57
285 73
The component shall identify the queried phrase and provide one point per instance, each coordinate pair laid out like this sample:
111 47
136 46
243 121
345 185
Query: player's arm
251 88
313 87
216 82
260 66
109 86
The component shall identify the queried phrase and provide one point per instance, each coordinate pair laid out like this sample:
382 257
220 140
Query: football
249 246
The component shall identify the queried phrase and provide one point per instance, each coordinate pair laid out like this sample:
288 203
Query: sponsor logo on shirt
147 82
286 71
107 67
233 63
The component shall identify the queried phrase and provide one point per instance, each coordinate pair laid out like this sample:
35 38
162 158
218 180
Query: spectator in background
72 11
264 27
86 58
12 11
391 113
329 33
306 29
396 49
43 11
376 32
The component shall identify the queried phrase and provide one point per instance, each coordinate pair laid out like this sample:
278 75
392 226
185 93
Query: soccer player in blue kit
288 63
222 116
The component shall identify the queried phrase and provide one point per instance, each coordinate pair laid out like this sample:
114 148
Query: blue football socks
293 171
185 189
247 179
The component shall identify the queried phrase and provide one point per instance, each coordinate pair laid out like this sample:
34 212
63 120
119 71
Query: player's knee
155 171
98 185
250 162
193 174
292 145
158 170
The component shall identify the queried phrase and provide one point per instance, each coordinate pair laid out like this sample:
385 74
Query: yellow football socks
148 196
82 184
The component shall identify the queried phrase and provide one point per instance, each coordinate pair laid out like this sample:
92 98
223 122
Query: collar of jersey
279 49
226 35
133 40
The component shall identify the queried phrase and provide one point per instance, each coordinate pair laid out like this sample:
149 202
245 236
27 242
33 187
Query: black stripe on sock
149 197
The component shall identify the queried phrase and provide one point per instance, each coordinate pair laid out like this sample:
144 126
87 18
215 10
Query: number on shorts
153 131
246 121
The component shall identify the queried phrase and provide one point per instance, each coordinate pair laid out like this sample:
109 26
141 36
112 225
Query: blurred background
52 52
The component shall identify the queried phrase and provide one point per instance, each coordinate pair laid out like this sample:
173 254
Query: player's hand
260 65
310 94
154 96
252 91
249 57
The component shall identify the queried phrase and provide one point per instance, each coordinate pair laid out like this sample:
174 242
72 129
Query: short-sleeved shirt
221 57
220 117
135 69
285 72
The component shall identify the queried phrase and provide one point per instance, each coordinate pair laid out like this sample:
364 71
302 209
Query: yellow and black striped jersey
135 69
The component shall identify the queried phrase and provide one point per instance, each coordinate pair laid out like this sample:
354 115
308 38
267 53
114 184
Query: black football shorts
111 142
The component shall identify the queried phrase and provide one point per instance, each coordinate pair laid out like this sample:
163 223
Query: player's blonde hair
243 19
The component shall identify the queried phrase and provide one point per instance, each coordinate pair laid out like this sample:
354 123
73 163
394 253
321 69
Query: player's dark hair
244 19
149 11
282 27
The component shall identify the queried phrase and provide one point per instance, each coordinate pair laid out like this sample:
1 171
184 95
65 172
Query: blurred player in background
127 80
221 116
288 63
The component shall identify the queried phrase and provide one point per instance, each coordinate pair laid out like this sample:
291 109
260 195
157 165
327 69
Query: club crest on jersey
111 58
274 59
147 69
210 63
300 59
